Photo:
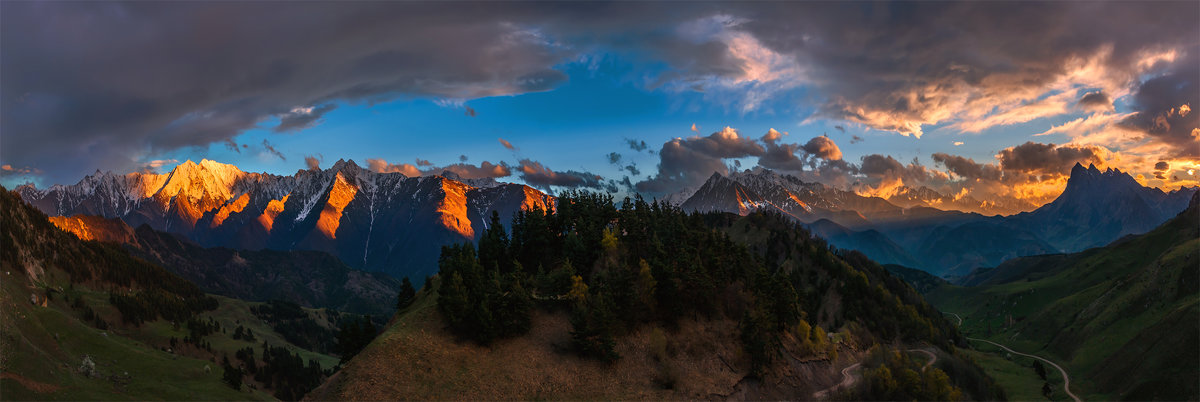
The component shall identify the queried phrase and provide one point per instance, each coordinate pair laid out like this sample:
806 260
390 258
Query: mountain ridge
376 221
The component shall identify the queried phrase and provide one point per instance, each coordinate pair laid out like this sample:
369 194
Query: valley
1102 312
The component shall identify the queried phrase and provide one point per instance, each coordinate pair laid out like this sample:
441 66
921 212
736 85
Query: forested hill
757 291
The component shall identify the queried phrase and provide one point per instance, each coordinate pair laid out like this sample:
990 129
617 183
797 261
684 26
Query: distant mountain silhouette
1096 208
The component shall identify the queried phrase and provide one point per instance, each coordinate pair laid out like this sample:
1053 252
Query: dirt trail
847 380
932 357
956 316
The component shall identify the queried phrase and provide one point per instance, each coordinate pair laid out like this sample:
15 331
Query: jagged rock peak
345 163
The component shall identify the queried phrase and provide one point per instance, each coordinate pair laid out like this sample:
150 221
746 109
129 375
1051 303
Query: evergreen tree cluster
296 325
287 374
280 370
615 268
354 335
246 334
406 295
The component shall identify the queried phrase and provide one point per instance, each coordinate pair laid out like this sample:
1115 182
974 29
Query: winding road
1066 378
848 379
956 316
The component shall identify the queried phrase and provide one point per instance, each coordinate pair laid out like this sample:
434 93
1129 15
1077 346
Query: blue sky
991 100
574 126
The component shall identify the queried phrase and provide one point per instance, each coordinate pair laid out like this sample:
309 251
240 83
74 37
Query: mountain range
384 222
395 224
1096 207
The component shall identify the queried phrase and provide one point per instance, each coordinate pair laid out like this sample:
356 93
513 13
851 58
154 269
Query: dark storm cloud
96 85
688 162
632 169
543 177
897 66
636 145
302 118
883 166
462 158
422 162
485 170
1164 107
613 158
854 139
967 168
1032 157
1162 166
1097 100
794 157
267 145
781 157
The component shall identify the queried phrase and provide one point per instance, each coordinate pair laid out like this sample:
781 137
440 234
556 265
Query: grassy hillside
1121 319
44 349
81 320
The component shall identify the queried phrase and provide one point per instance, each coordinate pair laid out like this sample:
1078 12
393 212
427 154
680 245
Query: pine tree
406 296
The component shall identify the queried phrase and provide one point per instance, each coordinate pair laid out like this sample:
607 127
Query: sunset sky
981 99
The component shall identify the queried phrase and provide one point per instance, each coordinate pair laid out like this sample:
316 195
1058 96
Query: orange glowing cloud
382 166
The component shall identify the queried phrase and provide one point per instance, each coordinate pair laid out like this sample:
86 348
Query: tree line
615 268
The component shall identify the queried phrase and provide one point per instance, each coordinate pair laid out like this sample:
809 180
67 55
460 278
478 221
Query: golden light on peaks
188 210
797 200
533 199
742 199
146 184
89 227
452 211
339 196
274 208
236 206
